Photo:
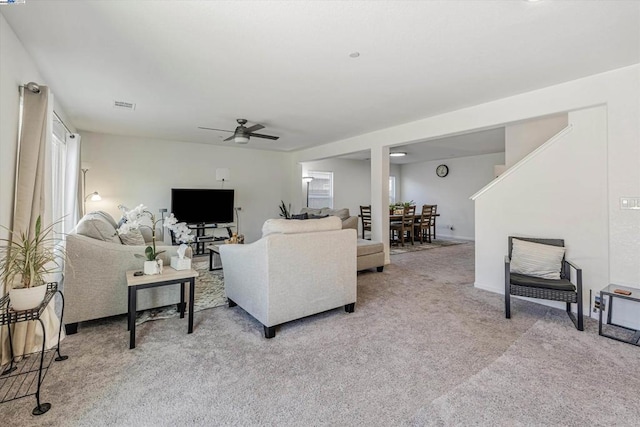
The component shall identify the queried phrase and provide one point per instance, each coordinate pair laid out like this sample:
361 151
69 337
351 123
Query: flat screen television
202 206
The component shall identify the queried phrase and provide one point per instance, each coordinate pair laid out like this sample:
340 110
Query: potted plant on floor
27 262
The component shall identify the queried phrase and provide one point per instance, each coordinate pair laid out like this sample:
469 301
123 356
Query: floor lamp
95 197
308 180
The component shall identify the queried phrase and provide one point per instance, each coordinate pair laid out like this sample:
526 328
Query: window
392 190
320 189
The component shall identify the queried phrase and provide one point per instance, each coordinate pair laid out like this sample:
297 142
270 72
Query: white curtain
33 199
72 191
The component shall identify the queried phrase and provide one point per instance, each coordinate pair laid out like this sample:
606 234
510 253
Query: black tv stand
202 239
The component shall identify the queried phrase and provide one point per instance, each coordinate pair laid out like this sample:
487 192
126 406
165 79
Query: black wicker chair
551 289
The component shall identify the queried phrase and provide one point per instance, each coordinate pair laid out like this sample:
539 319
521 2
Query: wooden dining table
398 217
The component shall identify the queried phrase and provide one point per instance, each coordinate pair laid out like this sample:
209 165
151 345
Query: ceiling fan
242 133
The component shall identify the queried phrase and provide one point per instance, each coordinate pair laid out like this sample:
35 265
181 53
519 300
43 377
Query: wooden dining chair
423 224
403 229
365 219
434 211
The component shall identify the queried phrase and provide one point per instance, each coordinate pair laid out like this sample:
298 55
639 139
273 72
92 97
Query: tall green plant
284 211
29 259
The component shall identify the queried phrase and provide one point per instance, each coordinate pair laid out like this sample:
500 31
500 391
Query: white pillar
380 197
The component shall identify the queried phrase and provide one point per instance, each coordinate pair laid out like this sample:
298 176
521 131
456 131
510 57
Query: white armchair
298 268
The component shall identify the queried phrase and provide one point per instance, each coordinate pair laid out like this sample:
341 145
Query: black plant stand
20 379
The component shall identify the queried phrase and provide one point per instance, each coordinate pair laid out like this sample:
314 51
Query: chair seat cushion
537 282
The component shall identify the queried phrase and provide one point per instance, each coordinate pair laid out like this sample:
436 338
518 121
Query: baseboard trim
448 236
489 288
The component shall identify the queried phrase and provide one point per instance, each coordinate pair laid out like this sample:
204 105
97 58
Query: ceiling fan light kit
242 134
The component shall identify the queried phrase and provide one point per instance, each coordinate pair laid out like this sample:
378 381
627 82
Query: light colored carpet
209 292
417 246
423 347
550 388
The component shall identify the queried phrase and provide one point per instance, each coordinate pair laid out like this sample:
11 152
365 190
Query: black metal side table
24 378
214 256
623 292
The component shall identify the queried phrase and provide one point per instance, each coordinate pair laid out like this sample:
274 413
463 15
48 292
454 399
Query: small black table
215 262
169 276
610 292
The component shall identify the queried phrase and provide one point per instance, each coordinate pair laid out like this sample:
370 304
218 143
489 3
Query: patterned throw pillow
97 226
536 259
132 238
343 213
300 216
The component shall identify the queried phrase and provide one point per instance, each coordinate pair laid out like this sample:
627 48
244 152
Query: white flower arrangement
133 221
181 232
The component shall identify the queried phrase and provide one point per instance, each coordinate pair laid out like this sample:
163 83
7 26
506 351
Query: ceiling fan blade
258 135
254 127
231 137
221 130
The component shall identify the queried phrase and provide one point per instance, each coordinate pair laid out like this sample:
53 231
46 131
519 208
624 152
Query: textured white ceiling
286 64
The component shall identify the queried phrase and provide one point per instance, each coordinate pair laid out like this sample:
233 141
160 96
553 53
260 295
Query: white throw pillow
536 259
132 238
97 226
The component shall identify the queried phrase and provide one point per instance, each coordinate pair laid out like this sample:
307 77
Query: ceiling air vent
122 105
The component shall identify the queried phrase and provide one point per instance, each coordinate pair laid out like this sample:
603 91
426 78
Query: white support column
380 197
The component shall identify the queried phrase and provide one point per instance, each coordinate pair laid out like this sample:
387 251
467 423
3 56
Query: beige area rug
209 293
417 246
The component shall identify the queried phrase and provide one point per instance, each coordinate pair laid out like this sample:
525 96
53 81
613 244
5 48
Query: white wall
351 182
130 171
554 204
619 90
466 176
16 68
522 138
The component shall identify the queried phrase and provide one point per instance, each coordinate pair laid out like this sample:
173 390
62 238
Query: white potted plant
26 263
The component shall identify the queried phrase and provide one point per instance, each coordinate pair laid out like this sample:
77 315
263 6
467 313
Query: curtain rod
61 122
35 88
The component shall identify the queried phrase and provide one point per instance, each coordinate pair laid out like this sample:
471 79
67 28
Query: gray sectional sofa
369 254
348 221
94 284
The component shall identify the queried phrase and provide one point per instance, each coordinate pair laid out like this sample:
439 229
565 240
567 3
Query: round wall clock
442 171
